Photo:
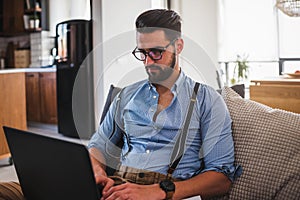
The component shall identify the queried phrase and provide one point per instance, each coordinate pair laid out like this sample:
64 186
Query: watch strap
169 195
168 187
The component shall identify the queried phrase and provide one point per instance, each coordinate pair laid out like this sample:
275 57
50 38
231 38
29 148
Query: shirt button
154 97
147 151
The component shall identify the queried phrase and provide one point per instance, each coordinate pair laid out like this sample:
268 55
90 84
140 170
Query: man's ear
179 45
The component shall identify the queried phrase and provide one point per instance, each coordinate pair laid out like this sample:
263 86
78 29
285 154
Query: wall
62 10
114 39
200 23
200 31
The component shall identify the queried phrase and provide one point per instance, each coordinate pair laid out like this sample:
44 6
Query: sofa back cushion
267 146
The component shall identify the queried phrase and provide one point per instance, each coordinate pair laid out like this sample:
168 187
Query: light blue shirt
151 142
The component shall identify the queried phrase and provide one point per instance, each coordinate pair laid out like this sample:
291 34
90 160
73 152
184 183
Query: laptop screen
50 168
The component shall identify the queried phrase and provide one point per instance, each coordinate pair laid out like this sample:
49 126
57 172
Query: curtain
249 28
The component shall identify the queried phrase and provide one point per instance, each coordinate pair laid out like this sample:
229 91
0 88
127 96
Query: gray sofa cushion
267 145
238 88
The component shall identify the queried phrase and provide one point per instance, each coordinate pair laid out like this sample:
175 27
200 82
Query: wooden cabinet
11 17
282 93
36 15
41 97
15 16
12 106
48 97
33 96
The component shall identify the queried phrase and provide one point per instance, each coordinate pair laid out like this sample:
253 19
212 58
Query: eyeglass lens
154 54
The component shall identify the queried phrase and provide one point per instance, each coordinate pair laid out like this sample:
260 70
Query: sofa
267 146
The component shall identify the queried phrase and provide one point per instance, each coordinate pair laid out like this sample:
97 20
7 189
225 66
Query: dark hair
160 19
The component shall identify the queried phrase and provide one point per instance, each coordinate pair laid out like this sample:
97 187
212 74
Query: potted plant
242 70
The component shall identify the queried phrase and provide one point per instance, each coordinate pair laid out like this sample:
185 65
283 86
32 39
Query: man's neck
166 85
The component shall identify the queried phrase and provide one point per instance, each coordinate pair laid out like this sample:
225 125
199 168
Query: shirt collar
178 83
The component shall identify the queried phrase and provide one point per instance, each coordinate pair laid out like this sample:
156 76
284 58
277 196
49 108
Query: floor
8 173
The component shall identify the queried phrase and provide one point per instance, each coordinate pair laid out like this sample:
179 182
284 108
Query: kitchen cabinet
36 15
279 92
33 96
15 16
11 17
41 99
12 107
48 97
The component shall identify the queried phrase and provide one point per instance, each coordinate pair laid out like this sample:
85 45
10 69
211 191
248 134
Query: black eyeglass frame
161 50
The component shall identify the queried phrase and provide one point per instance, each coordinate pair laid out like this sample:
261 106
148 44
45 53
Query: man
152 114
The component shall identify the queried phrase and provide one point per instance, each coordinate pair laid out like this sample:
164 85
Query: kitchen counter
32 69
277 92
14 83
13 105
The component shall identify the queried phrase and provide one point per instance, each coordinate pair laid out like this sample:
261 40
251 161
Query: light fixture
289 7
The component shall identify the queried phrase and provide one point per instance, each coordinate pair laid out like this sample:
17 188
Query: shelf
33 29
32 10
12 34
15 15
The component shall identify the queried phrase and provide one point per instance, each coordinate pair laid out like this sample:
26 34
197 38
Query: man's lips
152 69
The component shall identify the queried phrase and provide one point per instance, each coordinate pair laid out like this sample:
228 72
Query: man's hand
106 182
101 178
134 191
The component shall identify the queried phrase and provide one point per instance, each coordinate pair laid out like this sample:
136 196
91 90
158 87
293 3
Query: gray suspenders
179 146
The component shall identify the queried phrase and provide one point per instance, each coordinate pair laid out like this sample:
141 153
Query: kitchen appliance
75 98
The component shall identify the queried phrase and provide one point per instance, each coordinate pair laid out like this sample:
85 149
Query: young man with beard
171 150
153 114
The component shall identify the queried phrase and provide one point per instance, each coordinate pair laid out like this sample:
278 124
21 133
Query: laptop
50 168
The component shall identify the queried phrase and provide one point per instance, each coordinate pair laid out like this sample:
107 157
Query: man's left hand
134 191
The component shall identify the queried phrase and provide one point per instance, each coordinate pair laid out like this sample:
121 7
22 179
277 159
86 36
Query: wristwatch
169 187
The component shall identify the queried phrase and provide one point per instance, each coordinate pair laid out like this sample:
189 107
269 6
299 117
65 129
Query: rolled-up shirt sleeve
102 138
218 147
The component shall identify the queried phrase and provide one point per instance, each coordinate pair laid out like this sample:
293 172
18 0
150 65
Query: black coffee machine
75 96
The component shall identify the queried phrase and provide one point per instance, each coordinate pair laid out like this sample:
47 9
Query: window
257 29
158 4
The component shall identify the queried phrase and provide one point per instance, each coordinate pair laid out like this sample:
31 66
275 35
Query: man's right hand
104 181
101 178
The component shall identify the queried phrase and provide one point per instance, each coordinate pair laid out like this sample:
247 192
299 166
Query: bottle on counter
2 60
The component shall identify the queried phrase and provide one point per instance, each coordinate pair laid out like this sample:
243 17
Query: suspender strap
178 149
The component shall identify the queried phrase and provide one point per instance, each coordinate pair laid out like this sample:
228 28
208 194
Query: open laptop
51 169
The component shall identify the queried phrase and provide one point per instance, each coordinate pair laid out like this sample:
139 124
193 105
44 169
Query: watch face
167 185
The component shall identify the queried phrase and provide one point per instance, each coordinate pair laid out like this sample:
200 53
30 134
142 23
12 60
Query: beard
160 74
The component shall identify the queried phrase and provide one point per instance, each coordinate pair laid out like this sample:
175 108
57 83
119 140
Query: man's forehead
148 40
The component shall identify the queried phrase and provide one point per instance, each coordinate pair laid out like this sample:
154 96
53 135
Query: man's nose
148 60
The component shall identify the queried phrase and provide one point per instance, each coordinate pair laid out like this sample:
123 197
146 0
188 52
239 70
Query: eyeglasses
153 53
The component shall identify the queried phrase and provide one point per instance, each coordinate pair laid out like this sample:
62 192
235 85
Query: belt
138 176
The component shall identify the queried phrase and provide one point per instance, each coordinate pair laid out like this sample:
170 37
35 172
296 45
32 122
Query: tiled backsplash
39 43
23 41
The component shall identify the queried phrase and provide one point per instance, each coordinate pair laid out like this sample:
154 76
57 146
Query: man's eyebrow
156 47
